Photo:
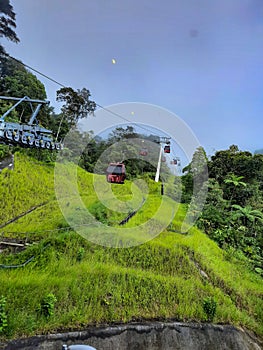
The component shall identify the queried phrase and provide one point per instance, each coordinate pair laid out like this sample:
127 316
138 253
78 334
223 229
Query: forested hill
62 281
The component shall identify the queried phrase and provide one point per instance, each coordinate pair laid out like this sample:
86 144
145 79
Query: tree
233 213
77 105
213 215
196 174
7 23
17 81
231 161
234 181
120 133
247 214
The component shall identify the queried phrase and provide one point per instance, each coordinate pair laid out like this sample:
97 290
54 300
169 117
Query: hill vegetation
62 281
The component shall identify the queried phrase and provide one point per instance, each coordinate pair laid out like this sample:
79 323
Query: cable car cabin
166 149
143 152
174 161
163 159
116 173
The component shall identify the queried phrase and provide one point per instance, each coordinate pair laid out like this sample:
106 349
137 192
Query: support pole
157 175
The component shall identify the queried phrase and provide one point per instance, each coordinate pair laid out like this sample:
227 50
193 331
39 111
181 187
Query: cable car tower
162 141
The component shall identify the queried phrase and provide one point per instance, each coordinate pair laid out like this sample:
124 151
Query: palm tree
247 214
234 180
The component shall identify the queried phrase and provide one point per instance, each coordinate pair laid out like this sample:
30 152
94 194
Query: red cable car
143 152
166 149
116 173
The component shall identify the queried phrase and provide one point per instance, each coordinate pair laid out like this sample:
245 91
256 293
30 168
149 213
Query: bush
209 307
81 253
48 305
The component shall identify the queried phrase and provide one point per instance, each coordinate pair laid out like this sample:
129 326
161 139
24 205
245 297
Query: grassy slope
94 284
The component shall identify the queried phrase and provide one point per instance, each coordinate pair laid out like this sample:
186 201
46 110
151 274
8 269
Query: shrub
48 305
81 253
209 307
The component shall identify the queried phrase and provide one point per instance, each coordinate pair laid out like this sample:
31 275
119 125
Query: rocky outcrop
7 163
146 336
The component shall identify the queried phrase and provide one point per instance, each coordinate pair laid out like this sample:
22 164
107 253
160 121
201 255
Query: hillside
168 277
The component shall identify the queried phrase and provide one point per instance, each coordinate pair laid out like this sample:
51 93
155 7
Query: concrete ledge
152 336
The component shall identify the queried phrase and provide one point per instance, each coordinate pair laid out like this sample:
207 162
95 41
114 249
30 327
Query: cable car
143 152
116 173
163 159
174 161
167 149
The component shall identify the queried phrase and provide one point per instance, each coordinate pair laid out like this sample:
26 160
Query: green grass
30 184
160 279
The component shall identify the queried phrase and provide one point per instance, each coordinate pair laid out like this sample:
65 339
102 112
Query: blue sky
200 59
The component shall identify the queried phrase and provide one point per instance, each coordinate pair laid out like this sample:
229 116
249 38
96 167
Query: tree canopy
7 23
77 105
17 81
232 214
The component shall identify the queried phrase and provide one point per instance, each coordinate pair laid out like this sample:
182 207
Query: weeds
3 315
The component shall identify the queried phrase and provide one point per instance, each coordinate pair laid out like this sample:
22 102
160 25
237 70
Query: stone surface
147 336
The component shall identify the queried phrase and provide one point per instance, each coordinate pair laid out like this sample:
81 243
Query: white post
157 175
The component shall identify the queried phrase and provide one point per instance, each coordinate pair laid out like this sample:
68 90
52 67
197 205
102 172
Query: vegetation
62 281
70 282
47 305
3 316
232 214
209 306
7 23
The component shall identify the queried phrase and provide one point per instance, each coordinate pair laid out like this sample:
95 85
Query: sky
199 59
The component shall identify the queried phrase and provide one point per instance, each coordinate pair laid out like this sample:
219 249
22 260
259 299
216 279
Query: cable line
33 69
62 85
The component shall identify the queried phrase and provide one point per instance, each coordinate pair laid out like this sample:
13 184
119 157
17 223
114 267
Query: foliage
209 307
77 105
122 145
120 133
196 174
96 284
5 151
81 253
247 214
7 23
4 107
47 305
17 81
232 161
235 180
232 214
3 315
